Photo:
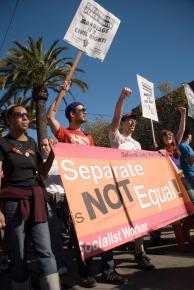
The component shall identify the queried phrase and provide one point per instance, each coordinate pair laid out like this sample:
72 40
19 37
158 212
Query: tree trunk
40 97
41 121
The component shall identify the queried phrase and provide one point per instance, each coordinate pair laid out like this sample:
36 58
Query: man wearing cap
76 115
123 140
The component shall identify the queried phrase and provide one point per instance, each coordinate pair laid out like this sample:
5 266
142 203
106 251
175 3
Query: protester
187 165
155 236
55 193
22 202
169 145
187 157
123 140
169 142
76 115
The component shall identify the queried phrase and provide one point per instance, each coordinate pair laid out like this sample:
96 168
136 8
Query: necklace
19 147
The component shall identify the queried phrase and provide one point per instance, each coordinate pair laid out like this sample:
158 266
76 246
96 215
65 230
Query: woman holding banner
22 202
170 144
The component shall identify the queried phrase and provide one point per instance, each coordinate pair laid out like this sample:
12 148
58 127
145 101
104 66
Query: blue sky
155 39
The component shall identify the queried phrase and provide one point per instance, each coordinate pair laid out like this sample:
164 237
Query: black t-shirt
20 162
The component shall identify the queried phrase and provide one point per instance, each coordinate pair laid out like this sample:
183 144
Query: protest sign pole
153 133
63 92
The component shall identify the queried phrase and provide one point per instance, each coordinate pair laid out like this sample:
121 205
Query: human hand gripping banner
116 196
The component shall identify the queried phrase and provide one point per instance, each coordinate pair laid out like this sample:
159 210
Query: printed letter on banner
116 196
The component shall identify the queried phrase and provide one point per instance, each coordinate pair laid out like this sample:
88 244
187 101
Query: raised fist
126 92
181 110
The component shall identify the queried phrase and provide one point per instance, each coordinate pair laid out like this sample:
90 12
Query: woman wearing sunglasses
22 203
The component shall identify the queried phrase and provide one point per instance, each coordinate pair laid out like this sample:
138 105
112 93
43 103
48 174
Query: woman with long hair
169 144
22 202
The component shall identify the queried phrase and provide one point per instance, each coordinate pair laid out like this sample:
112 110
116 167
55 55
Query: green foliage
29 70
99 129
29 67
165 88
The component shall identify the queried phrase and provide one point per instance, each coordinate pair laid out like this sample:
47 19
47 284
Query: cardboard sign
92 29
146 89
116 196
190 99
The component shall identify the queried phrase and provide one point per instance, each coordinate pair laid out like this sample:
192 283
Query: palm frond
21 46
27 68
48 53
82 85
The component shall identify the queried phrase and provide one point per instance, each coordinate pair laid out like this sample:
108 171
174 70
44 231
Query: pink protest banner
116 196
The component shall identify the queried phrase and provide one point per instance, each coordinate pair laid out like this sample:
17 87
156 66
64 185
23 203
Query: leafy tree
99 130
165 88
30 69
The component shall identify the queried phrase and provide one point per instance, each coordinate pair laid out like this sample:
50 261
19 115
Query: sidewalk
174 270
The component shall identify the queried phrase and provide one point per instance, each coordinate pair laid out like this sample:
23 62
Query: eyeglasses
21 115
80 110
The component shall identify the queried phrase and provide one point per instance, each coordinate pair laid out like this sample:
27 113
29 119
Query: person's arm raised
182 124
52 122
51 113
118 109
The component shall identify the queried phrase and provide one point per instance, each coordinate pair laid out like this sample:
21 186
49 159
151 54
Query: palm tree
29 68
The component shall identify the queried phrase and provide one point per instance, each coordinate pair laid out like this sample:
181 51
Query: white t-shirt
117 140
53 182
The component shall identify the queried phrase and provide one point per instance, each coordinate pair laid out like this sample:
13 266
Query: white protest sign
146 89
190 99
92 29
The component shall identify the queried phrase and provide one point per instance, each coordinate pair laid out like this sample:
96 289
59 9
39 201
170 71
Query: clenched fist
126 92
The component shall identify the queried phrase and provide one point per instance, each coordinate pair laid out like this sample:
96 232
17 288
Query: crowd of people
32 197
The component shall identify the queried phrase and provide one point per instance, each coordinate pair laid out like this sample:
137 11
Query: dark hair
9 111
128 116
70 108
186 134
172 148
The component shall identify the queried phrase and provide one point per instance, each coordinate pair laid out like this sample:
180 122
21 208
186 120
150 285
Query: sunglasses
21 115
80 110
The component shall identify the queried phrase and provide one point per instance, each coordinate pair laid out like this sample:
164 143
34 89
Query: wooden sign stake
63 92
